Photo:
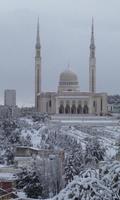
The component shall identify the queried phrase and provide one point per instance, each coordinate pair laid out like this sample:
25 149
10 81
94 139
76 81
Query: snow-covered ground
107 134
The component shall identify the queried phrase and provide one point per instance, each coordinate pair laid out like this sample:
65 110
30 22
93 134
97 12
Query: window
50 103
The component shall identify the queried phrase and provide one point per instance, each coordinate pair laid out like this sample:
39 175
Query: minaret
37 67
92 63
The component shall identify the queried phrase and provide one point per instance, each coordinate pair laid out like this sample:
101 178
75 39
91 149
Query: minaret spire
37 68
38 36
92 43
92 62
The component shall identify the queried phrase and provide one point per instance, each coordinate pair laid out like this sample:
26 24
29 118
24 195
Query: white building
10 98
50 163
69 99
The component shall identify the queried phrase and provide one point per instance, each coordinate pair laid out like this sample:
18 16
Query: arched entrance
61 109
73 109
67 109
79 109
85 109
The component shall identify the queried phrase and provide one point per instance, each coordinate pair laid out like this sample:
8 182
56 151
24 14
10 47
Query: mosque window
85 109
101 105
79 109
49 103
61 109
94 104
92 80
67 109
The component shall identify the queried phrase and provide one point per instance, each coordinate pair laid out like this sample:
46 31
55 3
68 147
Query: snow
21 194
27 120
7 176
107 130
34 134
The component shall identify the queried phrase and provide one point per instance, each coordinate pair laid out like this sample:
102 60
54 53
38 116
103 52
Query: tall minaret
92 63
37 67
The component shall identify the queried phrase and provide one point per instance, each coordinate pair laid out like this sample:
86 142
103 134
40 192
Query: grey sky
65 35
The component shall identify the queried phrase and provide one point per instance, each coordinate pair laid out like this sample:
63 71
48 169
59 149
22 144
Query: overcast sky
65 28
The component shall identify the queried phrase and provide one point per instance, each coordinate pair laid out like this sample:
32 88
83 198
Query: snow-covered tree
9 154
110 176
118 151
74 162
30 182
94 152
87 186
34 188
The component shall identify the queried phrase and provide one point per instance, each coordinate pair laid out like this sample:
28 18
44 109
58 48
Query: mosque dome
68 75
68 81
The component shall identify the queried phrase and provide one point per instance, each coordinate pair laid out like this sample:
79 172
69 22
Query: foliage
74 162
87 186
94 152
110 175
30 182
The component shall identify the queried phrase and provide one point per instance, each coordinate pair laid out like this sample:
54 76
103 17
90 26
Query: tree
94 152
34 188
74 162
110 176
30 182
118 152
86 186
9 156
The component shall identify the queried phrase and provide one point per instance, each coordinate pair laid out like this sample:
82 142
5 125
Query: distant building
49 162
69 99
110 107
10 98
114 108
25 155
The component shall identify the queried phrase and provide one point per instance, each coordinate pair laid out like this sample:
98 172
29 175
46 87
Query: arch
79 109
67 109
85 109
61 109
73 109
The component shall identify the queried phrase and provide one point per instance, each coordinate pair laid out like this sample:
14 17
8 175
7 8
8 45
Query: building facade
69 99
10 98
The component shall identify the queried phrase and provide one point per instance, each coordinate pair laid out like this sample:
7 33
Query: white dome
68 75
68 81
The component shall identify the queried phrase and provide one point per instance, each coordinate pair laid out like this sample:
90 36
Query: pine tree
74 162
94 152
30 182
110 175
34 188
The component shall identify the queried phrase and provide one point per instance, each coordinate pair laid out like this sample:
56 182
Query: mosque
69 100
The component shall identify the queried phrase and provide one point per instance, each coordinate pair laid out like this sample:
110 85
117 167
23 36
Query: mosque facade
68 99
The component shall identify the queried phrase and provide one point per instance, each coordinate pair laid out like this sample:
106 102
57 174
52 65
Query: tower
92 63
37 67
